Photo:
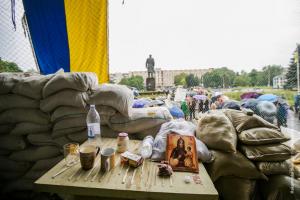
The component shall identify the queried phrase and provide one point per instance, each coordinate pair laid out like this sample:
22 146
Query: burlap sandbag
45 139
19 115
4 152
26 128
34 154
79 137
141 119
46 164
32 86
268 152
151 131
241 121
279 187
68 123
64 98
21 184
232 164
233 188
63 132
117 96
34 175
9 176
80 81
6 128
284 167
12 166
8 81
217 132
259 136
11 142
10 101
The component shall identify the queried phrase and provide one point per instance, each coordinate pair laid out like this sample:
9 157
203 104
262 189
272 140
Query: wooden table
145 184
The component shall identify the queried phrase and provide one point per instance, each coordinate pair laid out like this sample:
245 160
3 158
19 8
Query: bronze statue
150 66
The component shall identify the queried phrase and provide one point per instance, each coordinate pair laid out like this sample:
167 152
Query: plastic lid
123 134
92 106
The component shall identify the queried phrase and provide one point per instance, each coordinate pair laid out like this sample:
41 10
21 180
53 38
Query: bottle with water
93 126
146 148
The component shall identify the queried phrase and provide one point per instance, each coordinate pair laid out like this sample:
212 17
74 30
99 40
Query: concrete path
293 122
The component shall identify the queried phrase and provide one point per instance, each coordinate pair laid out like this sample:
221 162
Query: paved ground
293 122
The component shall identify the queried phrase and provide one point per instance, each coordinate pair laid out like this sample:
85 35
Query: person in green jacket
185 109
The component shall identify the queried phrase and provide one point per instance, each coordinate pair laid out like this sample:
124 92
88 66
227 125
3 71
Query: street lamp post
297 62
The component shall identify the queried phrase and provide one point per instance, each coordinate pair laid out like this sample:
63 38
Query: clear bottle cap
92 106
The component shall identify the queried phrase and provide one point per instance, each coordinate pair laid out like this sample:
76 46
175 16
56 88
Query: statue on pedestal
150 81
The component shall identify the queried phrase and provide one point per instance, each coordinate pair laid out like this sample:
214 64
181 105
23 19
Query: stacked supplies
20 120
230 166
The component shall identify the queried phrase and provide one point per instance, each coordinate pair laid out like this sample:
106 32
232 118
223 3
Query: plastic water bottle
146 148
93 126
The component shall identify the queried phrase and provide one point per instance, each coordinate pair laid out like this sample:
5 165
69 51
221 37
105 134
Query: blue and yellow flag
69 34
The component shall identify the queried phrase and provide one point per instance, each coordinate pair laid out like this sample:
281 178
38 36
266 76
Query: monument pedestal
150 84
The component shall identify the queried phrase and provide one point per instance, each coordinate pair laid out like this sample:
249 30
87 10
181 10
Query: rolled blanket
19 115
34 154
80 81
64 98
11 142
117 96
10 101
26 128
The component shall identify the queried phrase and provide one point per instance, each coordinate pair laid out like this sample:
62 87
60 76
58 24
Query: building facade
279 81
163 78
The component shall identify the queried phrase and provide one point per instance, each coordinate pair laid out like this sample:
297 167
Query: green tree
268 73
242 80
133 81
219 78
192 80
291 75
180 79
6 66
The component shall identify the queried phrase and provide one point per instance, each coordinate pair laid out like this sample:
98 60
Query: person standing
185 109
206 105
200 109
192 108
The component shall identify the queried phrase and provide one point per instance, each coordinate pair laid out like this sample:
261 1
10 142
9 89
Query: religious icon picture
182 153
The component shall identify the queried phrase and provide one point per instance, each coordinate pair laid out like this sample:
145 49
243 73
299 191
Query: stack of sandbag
230 166
114 103
65 99
20 121
265 145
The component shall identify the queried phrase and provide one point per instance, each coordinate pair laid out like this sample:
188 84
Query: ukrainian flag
69 34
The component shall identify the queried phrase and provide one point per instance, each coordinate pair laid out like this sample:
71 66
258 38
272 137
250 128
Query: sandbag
284 167
80 136
45 139
8 176
181 127
217 132
11 142
13 166
10 101
258 136
63 132
233 188
64 98
65 112
6 128
34 154
278 187
19 115
8 81
32 86
232 164
26 128
18 185
34 175
68 123
241 121
117 96
141 119
269 152
151 131
4 152
80 81
294 142
46 164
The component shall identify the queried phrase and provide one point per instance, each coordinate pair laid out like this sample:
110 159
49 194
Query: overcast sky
239 34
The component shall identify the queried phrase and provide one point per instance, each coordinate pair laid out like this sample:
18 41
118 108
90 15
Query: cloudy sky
239 34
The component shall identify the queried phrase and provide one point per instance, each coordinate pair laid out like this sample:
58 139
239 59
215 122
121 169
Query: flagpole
298 81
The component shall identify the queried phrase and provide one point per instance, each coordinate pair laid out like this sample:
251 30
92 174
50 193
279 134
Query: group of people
191 105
